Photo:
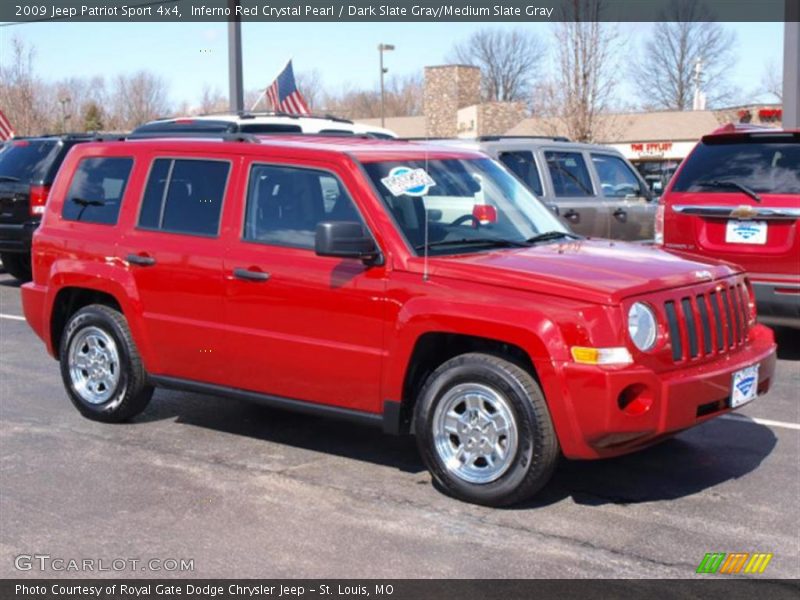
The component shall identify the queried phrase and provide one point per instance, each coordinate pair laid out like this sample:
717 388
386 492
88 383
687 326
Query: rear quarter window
95 194
764 167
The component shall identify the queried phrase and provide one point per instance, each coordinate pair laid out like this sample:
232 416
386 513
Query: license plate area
744 386
746 232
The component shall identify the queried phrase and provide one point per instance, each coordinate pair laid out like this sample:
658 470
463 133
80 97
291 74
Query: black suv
28 166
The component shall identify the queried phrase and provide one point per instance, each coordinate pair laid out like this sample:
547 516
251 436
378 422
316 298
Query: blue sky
192 55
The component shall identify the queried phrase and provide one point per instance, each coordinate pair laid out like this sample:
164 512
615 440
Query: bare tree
584 83
212 101
139 98
685 35
772 80
21 92
509 60
403 98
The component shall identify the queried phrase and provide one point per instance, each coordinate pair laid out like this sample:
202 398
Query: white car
263 123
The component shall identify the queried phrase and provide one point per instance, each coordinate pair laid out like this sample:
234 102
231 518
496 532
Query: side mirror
345 239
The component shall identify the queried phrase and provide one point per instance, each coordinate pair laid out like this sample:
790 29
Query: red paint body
335 331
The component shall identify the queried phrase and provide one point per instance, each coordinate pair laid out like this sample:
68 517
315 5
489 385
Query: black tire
18 265
131 393
537 449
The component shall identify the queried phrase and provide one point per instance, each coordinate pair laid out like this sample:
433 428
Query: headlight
642 326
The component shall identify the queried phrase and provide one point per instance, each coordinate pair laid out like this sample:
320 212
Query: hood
603 272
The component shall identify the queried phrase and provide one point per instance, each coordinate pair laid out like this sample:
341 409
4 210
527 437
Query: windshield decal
405 181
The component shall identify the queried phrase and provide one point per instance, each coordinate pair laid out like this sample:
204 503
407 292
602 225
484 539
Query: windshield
763 167
474 201
26 161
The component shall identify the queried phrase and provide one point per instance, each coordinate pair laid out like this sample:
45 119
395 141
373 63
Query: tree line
572 76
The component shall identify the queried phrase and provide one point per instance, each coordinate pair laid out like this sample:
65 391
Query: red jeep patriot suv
418 287
737 198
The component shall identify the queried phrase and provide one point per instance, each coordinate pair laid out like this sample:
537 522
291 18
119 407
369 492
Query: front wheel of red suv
484 430
101 367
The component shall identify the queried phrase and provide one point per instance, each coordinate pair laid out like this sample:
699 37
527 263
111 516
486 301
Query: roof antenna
425 272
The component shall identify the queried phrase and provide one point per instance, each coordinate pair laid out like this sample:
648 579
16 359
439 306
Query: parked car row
417 286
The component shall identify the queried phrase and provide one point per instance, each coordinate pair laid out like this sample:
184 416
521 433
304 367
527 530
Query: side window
522 164
284 205
95 194
616 177
569 174
184 196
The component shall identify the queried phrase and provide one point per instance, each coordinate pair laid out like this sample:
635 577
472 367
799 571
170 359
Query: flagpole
260 96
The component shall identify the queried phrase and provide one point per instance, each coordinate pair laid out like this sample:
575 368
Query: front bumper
597 427
778 303
17 237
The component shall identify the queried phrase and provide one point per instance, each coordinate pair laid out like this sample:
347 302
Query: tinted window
569 174
270 128
95 194
521 163
192 203
26 161
284 205
617 179
764 167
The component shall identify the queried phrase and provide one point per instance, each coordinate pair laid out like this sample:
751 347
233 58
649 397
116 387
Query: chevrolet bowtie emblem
744 212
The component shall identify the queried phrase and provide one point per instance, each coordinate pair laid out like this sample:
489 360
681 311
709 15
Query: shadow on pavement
788 343
696 460
325 435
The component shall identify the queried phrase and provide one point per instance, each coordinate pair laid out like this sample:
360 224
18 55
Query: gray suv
594 189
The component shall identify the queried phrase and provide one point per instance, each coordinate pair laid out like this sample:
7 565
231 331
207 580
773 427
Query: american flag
6 131
284 95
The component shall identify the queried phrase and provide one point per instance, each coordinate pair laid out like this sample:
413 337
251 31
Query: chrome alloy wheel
475 432
94 365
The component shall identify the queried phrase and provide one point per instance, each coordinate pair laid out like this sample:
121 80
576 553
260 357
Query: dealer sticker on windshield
744 386
405 181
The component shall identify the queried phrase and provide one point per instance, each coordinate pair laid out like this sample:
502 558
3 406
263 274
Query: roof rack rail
225 137
497 138
252 114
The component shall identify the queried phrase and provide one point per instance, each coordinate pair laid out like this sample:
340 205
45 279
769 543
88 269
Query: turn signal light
601 356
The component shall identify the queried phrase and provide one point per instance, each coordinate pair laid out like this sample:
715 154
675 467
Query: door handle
572 215
249 275
142 261
621 214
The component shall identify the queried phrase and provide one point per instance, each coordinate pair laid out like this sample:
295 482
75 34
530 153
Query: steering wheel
464 218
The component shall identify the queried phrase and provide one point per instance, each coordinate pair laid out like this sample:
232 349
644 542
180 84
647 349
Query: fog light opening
635 400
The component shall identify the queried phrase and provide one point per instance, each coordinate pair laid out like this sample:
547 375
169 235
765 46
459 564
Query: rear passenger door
174 253
574 193
301 326
632 213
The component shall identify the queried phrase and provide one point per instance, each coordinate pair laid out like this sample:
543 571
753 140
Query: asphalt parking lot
247 491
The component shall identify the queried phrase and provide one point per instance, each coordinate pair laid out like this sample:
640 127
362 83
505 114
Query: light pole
381 49
235 87
791 59
64 101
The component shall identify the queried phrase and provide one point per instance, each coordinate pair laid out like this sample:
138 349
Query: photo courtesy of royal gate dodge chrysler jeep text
312 273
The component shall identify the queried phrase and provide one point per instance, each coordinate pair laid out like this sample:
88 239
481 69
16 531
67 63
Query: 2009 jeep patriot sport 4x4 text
346 276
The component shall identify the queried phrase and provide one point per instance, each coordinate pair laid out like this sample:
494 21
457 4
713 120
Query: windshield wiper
552 235
717 183
493 242
8 178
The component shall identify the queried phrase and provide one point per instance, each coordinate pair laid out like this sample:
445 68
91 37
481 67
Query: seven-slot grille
713 322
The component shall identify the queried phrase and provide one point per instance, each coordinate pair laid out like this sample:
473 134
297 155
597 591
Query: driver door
632 213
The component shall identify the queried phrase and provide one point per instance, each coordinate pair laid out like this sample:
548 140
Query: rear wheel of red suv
101 367
484 430
18 265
